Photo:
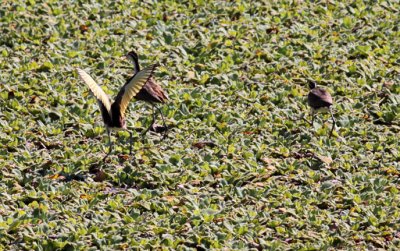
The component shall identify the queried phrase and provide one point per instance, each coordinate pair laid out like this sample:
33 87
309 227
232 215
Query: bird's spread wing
95 89
132 87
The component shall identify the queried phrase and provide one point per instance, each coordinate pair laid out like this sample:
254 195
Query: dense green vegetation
236 73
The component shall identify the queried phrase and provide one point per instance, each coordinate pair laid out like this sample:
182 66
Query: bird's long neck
136 64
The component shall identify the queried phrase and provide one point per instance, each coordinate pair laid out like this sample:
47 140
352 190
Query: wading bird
151 93
320 100
114 113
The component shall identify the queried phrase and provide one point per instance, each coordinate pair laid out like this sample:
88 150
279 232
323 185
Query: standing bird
114 114
151 93
320 100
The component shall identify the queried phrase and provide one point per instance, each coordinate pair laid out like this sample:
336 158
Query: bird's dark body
115 120
319 98
152 93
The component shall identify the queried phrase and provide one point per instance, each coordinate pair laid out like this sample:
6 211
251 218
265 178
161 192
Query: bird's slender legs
333 122
312 116
110 144
152 122
333 119
164 124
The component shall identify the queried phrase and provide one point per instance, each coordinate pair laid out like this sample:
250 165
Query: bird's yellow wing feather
132 88
95 89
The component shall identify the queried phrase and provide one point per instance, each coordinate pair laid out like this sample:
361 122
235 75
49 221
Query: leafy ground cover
236 73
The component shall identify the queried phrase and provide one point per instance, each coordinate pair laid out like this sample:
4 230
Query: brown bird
114 113
151 93
320 100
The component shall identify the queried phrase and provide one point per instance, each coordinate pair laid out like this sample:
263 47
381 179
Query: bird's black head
312 84
132 55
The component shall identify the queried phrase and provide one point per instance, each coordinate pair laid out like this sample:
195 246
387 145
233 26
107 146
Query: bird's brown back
318 98
152 92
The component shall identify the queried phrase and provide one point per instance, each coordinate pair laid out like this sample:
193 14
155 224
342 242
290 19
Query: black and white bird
320 100
114 113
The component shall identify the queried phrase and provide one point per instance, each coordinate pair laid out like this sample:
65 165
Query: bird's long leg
312 116
110 144
333 121
152 122
164 124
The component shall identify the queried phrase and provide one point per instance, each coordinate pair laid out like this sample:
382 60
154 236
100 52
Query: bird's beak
124 57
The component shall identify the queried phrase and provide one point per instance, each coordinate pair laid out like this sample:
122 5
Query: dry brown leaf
325 159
